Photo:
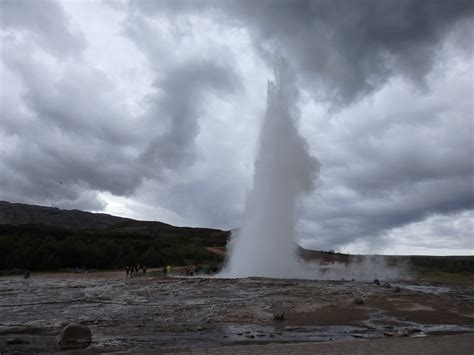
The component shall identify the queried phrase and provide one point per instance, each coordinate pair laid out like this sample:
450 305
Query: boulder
358 300
74 336
377 282
279 315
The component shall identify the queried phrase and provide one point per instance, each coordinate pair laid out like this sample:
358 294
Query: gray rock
412 330
279 315
387 285
377 282
74 336
358 300
403 333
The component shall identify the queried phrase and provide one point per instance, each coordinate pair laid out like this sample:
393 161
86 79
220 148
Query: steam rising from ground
265 246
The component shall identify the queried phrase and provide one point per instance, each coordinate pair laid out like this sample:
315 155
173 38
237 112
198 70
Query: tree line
39 247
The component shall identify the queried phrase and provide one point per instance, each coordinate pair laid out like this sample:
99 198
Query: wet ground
168 314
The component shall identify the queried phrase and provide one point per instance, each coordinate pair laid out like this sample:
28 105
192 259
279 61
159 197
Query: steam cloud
284 170
266 246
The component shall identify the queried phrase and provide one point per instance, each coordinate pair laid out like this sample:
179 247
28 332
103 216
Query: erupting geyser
265 245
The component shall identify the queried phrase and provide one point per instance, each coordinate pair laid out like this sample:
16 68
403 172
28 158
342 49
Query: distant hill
46 238
19 213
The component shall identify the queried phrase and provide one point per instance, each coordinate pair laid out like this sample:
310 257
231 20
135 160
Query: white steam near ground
265 246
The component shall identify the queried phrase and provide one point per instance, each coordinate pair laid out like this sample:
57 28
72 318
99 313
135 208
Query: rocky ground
175 313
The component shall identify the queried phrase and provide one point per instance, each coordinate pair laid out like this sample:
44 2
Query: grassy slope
41 247
45 247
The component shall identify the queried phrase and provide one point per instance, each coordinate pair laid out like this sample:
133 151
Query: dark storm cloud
63 102
405 162
179 100
45 21
71 136
77 137
389 165
360 218
343 50
182 87
67 132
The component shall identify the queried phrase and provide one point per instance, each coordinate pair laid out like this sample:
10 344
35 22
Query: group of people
192 270
137 268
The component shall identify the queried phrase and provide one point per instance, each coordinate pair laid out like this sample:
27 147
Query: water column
284 170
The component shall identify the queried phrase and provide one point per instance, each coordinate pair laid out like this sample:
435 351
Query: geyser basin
284 170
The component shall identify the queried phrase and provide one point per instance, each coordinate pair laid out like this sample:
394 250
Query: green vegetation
41 247
443 264
422 266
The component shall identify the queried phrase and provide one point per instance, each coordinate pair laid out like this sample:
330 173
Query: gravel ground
181 314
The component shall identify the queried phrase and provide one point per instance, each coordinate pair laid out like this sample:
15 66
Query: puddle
258 333
381 323
432 289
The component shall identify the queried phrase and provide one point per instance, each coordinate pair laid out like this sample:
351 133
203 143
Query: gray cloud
66 132
392 153
179 100
45 21
343 50
72 135
394 164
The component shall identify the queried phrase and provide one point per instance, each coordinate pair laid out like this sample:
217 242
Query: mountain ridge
21 213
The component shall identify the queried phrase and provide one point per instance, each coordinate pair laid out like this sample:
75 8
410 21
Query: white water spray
284 170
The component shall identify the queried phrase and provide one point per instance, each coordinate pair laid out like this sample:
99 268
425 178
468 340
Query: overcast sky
151 110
